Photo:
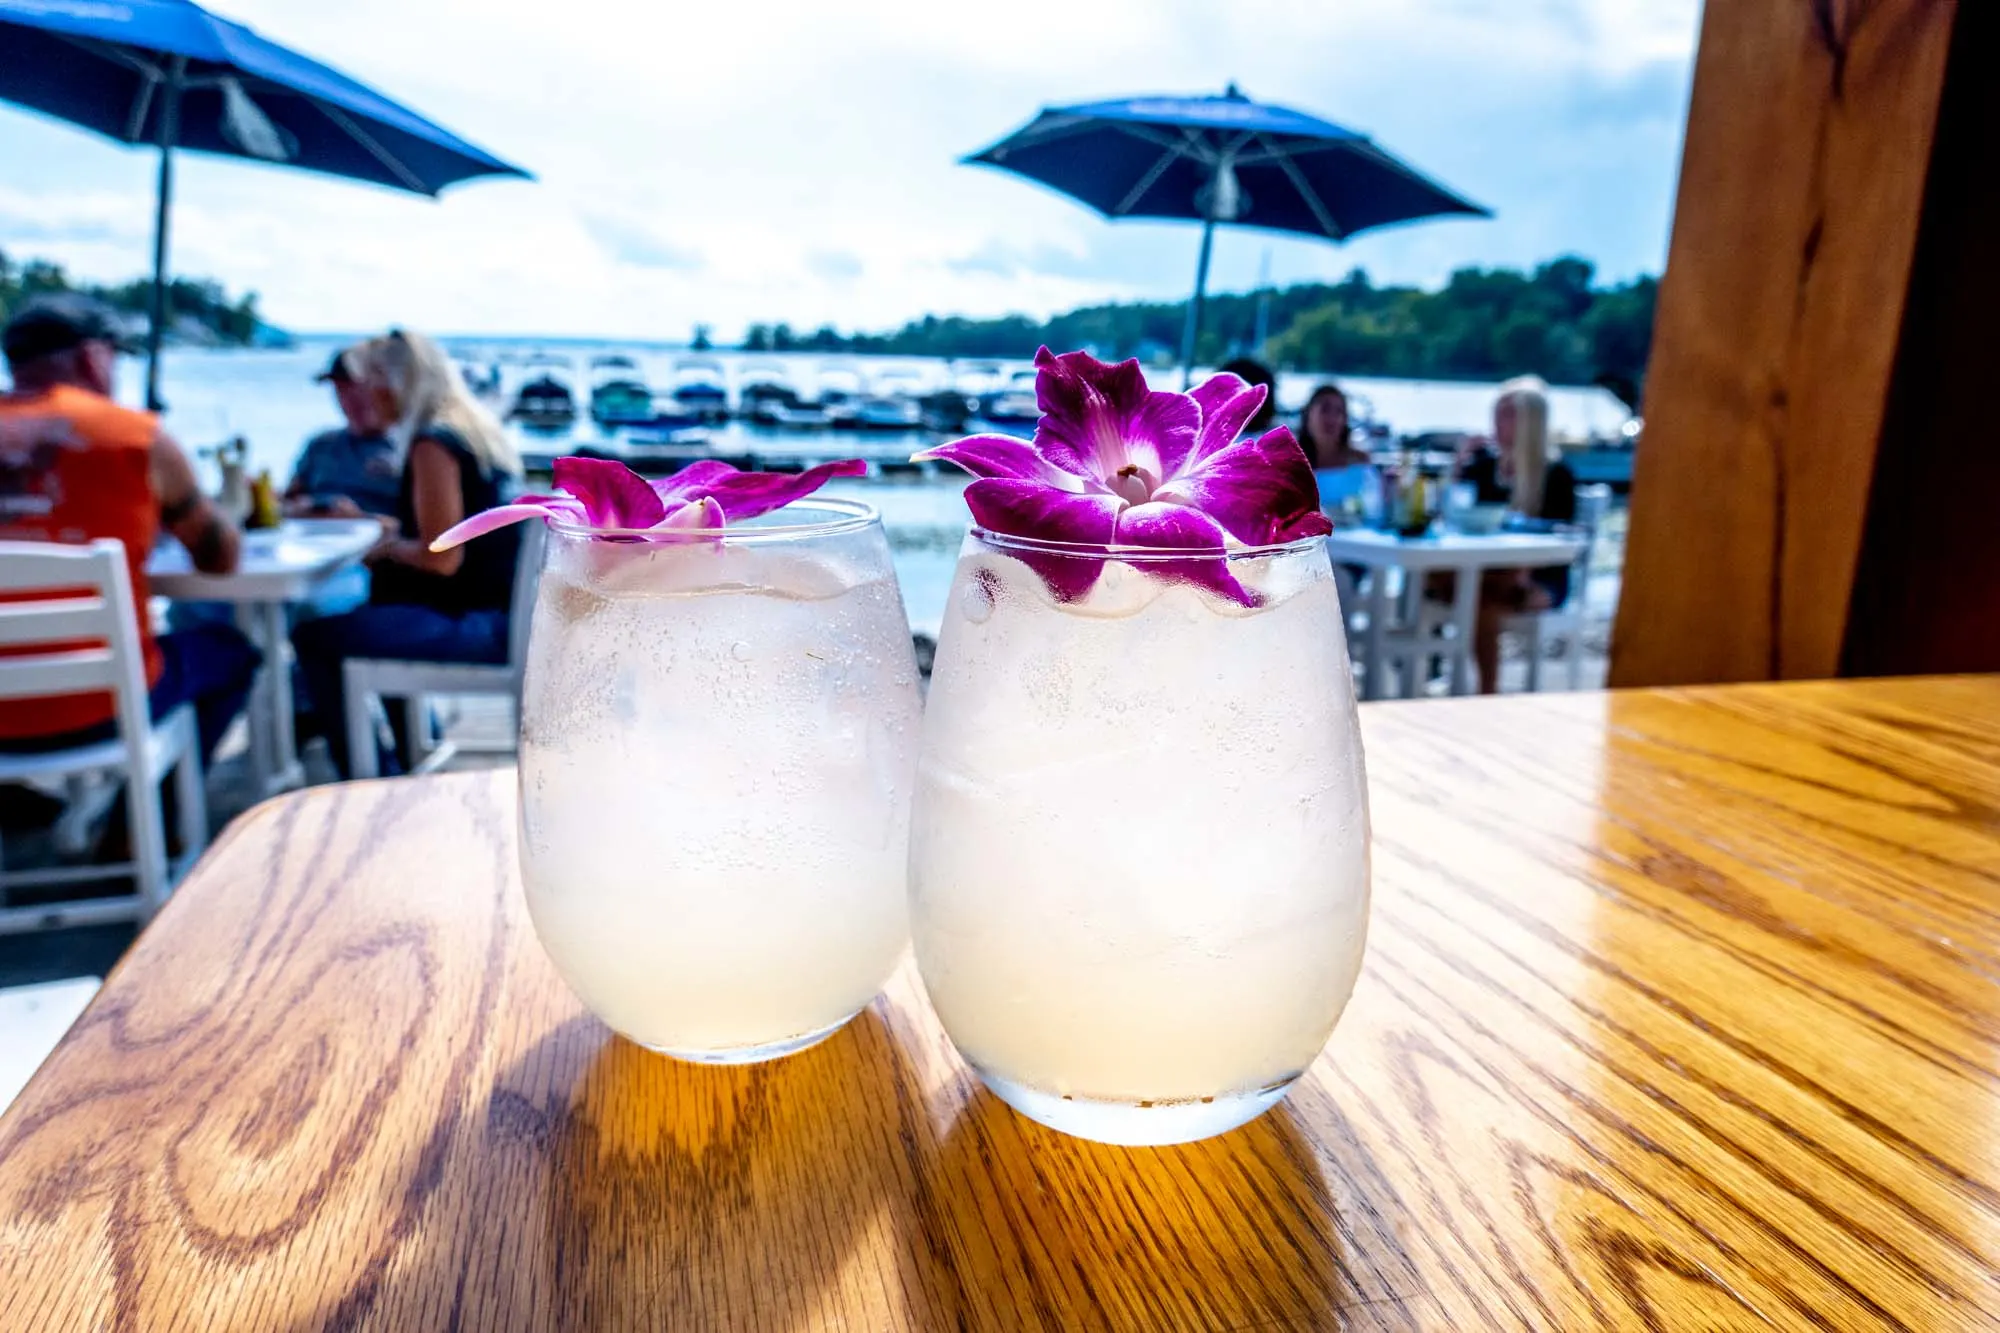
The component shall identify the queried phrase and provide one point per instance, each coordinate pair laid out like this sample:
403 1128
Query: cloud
814 145
1004 259
77 217
33 231
995 256
637 245
836 266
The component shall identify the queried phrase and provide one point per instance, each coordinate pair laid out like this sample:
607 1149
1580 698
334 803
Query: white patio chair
1417 642
371 681
1562 627
1422 650
98 608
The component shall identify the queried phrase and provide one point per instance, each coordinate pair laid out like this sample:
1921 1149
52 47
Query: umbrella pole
170 128
1194 306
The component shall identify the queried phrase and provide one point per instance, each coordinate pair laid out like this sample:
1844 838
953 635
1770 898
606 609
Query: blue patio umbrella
1220 159
169 74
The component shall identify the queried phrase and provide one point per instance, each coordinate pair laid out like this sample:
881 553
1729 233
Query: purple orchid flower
605 495
1117 464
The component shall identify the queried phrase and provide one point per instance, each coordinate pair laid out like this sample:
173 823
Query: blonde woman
1540 488
423 605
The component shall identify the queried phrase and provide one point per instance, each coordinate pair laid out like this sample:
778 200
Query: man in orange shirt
76 467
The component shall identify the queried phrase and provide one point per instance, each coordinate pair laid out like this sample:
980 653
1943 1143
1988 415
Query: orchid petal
698 515
1006 456
606 496
613 495
1313 523
1114 464
1173 526
1216 390
692 480
1099 419
1222 422
747 494
499 517
1261 491
488 520
1018 508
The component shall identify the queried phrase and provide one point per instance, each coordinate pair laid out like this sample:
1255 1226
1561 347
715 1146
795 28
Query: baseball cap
58 322
340 370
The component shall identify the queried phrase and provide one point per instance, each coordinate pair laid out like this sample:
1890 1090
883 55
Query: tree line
1484 324
195 301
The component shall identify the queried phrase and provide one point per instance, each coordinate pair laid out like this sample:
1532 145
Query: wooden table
281 567
1680 1012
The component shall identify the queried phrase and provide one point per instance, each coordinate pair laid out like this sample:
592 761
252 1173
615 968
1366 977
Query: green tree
1619 331
1482 324
233 322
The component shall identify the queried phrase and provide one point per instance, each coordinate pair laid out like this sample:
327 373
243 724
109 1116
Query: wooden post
1809 139
1927 592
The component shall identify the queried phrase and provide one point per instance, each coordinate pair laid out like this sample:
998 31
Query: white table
1463 554
280 566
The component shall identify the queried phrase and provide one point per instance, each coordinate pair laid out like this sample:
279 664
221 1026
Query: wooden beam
1802 181
1927 591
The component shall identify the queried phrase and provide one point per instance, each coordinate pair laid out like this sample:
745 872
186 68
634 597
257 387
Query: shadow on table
1046 1231
702 1196
602 1186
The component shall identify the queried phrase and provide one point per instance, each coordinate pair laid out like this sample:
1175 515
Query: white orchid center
1132 484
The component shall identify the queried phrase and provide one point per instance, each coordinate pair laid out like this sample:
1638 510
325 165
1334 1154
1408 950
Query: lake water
269 398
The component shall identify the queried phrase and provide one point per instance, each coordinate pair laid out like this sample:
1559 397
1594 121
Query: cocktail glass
1139 852
718 737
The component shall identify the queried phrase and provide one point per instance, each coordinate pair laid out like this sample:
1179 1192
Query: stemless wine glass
718 738
1139 851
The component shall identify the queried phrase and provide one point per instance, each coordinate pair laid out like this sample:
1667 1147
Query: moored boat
894 402
768 397
1013 404
699 388
838 394
545 400
619 394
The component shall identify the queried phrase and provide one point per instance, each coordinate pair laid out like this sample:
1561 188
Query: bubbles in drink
716 765
1140 851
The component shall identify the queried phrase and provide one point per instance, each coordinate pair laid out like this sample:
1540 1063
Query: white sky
795 159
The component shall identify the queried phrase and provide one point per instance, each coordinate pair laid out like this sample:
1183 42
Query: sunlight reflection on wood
1678 1013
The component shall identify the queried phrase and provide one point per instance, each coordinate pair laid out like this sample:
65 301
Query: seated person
1479 466
423 605
76 467
1346 477
1538 485
353 470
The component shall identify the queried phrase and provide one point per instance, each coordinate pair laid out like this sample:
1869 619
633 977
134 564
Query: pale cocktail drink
1140 867
717 747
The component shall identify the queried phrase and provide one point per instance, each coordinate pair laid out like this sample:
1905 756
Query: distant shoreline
469 344
272 395
202 313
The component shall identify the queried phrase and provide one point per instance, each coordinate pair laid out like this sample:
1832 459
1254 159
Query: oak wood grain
1680 1012
1801 193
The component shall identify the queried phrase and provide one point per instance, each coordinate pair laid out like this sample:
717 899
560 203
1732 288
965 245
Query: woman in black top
423 605
1538 485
